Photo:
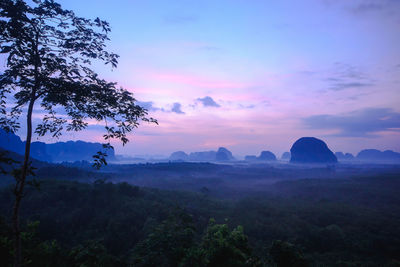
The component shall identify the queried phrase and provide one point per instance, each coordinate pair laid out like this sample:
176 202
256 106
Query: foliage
222 247
285 254
91 254
172 244
138 223
49 253
168 244
37 252
5 162
49 53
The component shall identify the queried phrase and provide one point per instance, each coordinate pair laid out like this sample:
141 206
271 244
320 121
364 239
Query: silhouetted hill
73 151
179 155
39 151
17 160
8 160
224 154
311 150
56 152
285 156
377 155
11 142
267 155
264 156
203 156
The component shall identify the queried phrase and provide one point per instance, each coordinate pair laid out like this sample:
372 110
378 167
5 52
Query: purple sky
255 75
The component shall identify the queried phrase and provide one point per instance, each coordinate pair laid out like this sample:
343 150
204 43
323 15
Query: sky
254 75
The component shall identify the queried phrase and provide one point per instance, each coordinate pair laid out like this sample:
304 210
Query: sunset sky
255 75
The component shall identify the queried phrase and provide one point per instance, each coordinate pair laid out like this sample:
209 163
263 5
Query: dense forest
351 220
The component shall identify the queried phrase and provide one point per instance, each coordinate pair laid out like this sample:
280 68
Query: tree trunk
19 187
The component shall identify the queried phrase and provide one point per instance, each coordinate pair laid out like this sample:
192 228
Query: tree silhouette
4 161
222 247
48 52
285 254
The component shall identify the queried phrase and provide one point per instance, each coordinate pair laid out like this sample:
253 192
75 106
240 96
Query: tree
168 244
48 52
222 247
5 161
285 254
172 243
92 254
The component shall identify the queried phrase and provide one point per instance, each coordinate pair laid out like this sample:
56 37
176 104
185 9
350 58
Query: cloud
360 7
345 85
149 105
344 70
177 108
250 106
207 101
360 123
345 76
368 6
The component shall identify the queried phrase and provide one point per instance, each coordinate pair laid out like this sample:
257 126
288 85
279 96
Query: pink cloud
196 81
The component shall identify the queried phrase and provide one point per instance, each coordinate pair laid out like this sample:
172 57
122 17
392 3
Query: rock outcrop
56 152
224 154
264 156
11 142
311 150
267 155
76 150
285 156
179 155
203 156
377 155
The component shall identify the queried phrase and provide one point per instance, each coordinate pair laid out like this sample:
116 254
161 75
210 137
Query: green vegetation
308 222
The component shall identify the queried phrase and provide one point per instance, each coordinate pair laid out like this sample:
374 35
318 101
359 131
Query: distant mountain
264 156
56 152
203 156
377 155
39 151
17 160
267 155
179 155
11 142
311 150
340 156
222 154
73 151
348 156
285 156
